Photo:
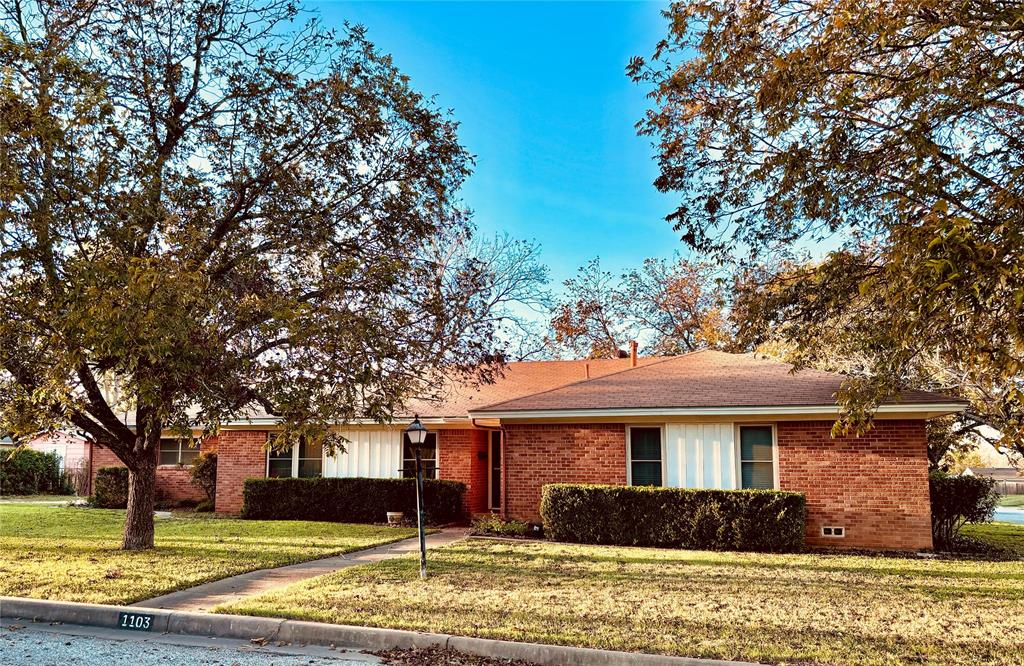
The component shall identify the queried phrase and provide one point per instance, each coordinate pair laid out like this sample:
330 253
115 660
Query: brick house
702 420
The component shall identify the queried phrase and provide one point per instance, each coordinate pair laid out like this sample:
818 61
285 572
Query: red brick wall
876 486
172 481
559 453
240 455
462 456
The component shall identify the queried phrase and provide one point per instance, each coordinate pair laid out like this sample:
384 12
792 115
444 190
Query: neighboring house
1009 480
703 420
73 451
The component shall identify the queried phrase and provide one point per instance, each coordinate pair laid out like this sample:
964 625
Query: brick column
240 455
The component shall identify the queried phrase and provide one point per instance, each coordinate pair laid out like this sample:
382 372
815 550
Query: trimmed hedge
27 472
350 500
758 520
110 490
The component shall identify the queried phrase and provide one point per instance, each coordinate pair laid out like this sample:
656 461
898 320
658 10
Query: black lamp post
417 435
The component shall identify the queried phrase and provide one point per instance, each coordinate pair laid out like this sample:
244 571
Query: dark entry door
495 458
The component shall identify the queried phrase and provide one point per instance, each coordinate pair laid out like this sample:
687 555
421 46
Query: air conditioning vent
833 531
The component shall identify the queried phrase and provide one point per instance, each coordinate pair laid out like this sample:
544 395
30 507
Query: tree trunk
138 521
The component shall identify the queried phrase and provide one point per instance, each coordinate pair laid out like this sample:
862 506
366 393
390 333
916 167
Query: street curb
316 633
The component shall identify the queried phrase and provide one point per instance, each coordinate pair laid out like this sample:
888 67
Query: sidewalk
206 596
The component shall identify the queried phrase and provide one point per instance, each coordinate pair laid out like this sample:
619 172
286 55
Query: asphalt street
27 644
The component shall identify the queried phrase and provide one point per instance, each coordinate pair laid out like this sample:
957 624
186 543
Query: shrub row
757 520
28 472
351 500
110 490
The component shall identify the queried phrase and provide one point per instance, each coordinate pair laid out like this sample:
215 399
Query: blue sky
546 107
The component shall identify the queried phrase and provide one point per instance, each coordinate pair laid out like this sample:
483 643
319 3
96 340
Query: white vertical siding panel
368 453
700 455
729 458
673 455
691 454
376 446
717 456
709 433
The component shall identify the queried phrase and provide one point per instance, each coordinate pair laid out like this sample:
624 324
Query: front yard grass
802 608
68 554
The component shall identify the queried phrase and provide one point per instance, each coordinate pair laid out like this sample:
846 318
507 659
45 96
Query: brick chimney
632 353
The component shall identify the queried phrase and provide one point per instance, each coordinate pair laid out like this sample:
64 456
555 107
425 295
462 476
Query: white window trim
295 463
181 447
629 451
739 453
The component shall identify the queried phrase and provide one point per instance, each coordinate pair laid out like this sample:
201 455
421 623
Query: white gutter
781 410
275 420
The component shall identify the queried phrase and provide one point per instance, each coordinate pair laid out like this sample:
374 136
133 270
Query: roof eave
927 411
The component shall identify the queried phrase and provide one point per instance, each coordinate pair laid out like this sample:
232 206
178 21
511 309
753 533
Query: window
428 457
756 467
175 451
645 456
279 463
304 461
311 459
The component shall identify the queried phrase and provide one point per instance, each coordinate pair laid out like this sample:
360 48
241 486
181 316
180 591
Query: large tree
890 132
675 306
208 206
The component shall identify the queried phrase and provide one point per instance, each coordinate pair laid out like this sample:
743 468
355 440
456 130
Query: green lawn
72 554
1011 500
805 608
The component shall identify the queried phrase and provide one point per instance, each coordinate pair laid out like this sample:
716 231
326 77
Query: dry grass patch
827 609
73 554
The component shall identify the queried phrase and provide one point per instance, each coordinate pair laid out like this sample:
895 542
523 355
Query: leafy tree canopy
673 306
211 205
889 131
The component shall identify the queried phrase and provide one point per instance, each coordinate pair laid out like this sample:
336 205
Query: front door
494 483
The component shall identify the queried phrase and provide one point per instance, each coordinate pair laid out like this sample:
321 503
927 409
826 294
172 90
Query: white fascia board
274 421
828 410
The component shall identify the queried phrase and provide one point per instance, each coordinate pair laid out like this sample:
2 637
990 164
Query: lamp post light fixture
417 435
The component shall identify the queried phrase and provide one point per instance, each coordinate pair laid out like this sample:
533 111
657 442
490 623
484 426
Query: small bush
494 525
957 500
27 472
350 500
206 506
110 490
757 520
203 474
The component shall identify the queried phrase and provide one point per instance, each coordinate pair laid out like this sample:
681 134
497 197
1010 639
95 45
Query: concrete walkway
206 596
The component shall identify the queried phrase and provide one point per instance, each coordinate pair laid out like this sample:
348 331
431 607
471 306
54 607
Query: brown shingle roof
700 379
518 380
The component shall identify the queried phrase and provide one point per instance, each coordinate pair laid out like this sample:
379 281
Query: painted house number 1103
135 621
